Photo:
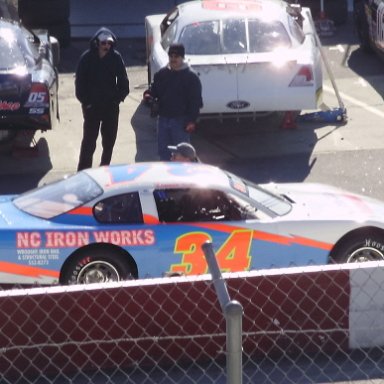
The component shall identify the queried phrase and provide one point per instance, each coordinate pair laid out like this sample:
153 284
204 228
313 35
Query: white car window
267 36
296 31
233 36
169 36
201 38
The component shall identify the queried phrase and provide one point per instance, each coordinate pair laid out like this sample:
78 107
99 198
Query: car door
189 217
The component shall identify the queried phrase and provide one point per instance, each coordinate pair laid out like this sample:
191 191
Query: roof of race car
223 8
158 174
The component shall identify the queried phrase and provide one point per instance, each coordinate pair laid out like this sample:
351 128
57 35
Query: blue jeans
170 131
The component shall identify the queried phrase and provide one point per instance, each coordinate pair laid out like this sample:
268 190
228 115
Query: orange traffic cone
289 122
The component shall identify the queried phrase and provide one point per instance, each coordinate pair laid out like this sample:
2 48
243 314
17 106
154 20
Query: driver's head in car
183 152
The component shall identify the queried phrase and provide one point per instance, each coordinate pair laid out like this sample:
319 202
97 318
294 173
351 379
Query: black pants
104 119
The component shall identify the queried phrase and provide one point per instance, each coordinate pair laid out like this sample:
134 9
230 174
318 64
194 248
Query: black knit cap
176 49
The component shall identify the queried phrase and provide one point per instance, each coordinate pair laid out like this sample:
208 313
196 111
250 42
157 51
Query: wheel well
350 235
105 246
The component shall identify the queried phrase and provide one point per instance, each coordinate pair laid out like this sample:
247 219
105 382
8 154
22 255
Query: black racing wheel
98 265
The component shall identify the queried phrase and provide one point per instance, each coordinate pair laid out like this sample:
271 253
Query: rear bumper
36 123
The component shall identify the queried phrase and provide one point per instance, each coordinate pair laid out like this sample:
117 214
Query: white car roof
204 10
159 175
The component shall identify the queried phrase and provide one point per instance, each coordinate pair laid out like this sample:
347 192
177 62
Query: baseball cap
184 149
176 49
104 36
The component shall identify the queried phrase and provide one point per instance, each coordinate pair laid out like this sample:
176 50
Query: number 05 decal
233 255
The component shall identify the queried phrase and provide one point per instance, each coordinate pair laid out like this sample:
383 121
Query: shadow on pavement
22 169
258 150
144 128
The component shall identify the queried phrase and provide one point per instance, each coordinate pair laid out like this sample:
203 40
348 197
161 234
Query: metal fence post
233 312
234 321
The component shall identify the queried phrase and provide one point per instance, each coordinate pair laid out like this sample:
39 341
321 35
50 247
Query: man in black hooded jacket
101 85
177 89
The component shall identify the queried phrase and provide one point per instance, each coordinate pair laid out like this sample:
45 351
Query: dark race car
28 80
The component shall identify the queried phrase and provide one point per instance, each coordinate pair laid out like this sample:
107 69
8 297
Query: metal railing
233 312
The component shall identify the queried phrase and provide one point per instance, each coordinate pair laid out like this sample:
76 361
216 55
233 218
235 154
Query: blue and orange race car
151 220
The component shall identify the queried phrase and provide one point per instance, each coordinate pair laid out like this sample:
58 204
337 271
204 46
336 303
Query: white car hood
323 202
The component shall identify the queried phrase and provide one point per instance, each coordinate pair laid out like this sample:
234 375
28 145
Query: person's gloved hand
190 127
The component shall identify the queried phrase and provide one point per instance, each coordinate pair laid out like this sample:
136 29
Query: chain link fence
297 325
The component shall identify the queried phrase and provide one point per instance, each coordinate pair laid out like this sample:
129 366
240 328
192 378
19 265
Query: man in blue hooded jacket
101 84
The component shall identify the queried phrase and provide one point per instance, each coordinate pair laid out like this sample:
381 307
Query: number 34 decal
232 256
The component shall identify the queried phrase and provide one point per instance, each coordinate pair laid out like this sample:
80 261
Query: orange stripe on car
17 269
150 219
84 211
273 238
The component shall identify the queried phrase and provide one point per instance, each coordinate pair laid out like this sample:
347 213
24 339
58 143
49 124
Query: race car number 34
233 255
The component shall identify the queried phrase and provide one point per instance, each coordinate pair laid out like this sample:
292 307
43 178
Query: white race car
251 55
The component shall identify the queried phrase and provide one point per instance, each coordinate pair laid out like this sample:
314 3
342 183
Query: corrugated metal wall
123 17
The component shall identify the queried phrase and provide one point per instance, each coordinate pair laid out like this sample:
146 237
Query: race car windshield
265 200
234 36
59 197
15 52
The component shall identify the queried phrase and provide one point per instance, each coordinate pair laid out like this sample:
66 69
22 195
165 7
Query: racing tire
97 265
36 12
7 135
359 248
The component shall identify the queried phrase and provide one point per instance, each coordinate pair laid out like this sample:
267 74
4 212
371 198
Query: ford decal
238 104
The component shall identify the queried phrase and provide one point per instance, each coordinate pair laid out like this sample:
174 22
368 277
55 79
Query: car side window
168 203
296 30
121 209
169 36
197 204
168 20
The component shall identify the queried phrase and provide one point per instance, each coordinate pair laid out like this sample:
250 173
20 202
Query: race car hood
323 202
